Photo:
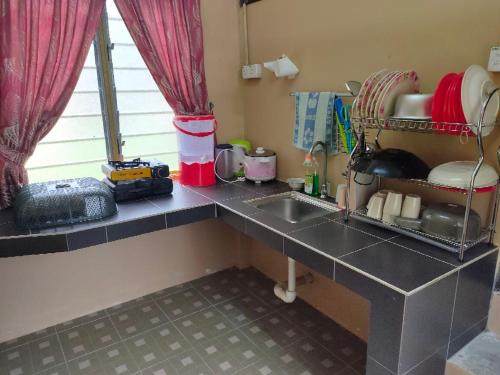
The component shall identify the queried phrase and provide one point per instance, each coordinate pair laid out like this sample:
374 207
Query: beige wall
42 290
334 41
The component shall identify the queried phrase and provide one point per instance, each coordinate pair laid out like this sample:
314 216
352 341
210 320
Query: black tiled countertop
399 262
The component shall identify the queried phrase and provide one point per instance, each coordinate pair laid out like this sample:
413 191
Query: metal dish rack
422 126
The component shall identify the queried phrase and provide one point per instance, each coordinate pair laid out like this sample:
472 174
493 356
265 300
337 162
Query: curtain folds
169 36
43 46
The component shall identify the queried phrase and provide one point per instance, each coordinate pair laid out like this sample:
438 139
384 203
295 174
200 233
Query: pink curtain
43 46
169 36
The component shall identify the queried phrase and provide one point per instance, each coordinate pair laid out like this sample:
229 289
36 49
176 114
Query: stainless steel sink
293 207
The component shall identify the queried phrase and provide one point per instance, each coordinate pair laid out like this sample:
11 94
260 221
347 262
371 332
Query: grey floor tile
156 345
80 320
7 345
129 304
182 303
316 358
138 319
229 353
272 332
16 361
61 369
244 309
171 290
188 363
46 353
259 284
203 325
219 286
340 342
264 366
88 337
304 315
112 360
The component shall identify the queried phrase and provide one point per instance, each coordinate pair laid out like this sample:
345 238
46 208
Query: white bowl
458 174
296 183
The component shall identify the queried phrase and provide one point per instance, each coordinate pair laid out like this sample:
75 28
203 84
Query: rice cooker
260 165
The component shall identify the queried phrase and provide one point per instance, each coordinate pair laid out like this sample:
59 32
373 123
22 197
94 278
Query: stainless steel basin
293 207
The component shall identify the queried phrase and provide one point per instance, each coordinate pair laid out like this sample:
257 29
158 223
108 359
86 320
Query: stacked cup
386 205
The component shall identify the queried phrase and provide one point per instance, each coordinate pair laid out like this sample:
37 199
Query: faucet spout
324 190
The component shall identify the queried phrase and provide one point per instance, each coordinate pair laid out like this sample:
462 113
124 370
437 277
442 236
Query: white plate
380 92
406 83
375 93
365 88
474 87
459 173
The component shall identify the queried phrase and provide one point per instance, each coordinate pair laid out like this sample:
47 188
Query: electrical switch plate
494 62
251 71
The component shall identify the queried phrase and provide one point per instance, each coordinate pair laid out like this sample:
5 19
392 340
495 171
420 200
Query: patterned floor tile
229 353
182 303
171 290
304 315
46 353
264 366
88 337
316 358
187 363
203 325
220 286
156 345
113 360
7 345
138 318
61 369
16 361
259 284
244 309
81 320
130 304
272 332
341 343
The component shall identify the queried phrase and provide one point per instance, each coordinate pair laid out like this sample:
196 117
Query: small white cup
341 195
392 207
411 206
376 206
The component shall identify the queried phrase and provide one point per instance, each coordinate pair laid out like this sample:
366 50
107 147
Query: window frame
107 89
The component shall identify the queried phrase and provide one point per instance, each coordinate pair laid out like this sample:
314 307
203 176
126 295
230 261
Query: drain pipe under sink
287 292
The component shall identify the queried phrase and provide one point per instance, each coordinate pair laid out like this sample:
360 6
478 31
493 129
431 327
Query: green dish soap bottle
309 175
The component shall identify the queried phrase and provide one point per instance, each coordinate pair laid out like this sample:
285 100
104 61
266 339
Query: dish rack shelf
418 126
476 130
442 242
453 189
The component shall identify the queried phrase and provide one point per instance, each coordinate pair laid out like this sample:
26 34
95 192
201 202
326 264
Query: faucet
324 190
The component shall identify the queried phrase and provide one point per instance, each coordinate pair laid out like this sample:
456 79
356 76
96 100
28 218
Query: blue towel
315 120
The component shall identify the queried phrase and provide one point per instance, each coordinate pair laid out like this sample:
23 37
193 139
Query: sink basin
293 207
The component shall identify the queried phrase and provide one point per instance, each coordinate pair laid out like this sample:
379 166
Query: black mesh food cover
46 204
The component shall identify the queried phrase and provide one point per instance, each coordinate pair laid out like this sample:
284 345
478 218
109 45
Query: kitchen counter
425 304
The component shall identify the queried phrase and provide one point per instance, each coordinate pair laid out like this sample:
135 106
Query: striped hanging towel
315 120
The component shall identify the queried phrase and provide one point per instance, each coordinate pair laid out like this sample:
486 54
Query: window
86 133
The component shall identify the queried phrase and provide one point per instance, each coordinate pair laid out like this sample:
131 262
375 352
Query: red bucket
195 138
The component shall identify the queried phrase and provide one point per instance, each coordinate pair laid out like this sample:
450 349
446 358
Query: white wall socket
251 71
494 62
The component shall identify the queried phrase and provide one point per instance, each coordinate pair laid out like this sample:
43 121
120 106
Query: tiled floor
225 323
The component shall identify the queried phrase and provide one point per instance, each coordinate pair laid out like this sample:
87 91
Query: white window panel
62 172
112 10
72 128
141 102
134 79
153 123
156 144
83 104
90 60
118 31
70 152
127 57
87 81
